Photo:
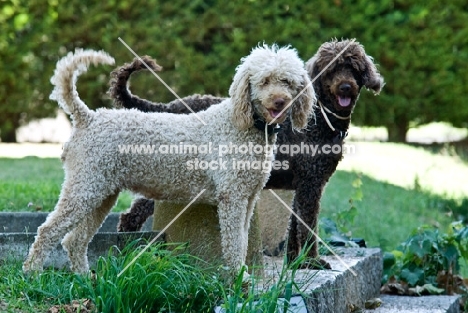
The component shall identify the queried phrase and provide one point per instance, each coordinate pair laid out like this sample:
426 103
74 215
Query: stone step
424 304
17 232
354 278
24 222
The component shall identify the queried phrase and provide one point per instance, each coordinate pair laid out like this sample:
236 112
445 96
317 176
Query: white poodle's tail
65 76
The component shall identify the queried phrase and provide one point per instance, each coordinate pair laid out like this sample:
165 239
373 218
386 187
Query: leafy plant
429 258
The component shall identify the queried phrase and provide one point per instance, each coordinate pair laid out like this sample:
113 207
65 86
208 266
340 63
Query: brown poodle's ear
239 92
303 106
372 79
309 66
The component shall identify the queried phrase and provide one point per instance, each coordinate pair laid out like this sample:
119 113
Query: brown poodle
337 90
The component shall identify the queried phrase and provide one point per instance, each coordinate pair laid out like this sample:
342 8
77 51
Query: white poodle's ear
239 92
303 106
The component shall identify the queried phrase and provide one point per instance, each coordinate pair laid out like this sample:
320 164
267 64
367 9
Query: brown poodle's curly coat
337 90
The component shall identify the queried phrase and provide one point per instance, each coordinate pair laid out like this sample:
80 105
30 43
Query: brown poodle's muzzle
345 92
344 96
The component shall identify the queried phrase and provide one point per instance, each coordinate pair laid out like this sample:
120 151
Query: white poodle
96 170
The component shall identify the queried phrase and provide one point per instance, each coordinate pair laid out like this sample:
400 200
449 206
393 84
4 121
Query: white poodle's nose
279 102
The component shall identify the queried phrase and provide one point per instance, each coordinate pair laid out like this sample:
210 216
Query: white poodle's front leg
232 213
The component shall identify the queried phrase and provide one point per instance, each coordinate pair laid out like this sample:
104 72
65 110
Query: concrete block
274 219
199 226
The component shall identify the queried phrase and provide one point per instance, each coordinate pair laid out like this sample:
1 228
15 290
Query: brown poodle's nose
345 87
279 102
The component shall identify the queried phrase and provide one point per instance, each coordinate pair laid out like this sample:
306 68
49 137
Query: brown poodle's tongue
344 101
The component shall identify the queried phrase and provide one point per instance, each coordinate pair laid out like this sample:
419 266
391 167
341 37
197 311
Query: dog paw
315 264
31 267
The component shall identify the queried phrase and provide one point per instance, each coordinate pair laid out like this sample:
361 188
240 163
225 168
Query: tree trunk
397 131
8 135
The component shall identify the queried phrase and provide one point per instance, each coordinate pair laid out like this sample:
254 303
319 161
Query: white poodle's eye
285 82
265 82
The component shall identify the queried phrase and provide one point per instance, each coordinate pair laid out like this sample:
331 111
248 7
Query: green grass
33 184
161 280
387 213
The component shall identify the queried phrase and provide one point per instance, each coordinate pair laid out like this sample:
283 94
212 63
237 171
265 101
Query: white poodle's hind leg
57 224
75 202
76 241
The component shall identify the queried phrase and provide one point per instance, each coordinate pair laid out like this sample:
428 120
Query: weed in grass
387 213
338 230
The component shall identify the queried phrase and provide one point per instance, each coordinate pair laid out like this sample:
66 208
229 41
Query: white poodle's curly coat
95 171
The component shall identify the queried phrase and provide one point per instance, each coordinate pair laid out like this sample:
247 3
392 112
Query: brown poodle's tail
119 80
65 76
124 98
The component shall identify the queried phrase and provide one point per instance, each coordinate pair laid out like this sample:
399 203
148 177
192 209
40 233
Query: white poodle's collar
260 124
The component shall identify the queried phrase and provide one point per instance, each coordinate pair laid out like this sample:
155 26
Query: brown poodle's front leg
306 205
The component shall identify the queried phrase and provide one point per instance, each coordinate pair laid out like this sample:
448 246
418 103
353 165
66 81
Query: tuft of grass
272 292
159 281
36 292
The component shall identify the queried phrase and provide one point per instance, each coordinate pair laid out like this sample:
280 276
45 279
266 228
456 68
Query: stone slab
354 278
424 304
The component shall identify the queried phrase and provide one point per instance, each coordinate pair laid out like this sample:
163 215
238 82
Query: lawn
33 184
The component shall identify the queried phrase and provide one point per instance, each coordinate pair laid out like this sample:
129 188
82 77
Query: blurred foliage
421 46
